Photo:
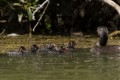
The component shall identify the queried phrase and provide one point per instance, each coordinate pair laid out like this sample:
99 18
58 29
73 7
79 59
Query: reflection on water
77 65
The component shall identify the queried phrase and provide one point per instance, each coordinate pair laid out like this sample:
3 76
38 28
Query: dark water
77 65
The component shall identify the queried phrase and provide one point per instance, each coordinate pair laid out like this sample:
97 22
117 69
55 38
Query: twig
47 1
3 31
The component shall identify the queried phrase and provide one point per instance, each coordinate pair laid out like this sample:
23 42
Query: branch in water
47 1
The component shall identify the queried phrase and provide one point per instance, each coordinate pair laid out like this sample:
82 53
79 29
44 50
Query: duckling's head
34 48
51 46
71 44
62 49
103 34
22 49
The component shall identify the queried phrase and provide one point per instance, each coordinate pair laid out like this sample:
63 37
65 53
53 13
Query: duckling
34 49
71 45
61 49
51 46
21 51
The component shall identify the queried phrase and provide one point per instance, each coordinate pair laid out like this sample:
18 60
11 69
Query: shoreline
12 43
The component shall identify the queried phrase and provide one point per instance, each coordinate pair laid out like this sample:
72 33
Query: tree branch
47 1
3 31
113 4
40 7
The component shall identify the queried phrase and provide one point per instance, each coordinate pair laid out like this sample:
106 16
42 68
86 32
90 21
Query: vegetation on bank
62 17
56 17
12 43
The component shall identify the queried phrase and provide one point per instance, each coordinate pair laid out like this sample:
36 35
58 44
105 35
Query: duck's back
106 49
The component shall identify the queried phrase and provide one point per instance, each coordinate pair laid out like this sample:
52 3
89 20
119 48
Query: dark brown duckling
71 45
62 49
34 49
21 51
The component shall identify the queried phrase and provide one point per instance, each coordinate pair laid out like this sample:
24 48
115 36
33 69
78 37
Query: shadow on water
75 65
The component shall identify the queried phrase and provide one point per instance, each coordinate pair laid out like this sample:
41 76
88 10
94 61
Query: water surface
76 65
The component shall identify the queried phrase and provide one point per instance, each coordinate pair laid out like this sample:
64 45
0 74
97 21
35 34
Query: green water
78 65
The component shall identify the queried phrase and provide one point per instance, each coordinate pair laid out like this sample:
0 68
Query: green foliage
47 22
19 9
26 6
29 12
63 16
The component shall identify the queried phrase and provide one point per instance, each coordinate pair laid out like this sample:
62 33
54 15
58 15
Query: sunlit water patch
76 65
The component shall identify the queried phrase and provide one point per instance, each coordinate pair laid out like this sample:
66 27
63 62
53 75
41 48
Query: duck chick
34 49
61 49
21 51
51 46
71 45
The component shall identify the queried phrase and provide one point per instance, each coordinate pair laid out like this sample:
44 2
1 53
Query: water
78 65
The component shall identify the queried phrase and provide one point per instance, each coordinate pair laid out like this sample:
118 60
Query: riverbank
8 43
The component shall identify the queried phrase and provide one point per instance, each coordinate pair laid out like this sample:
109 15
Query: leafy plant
26 8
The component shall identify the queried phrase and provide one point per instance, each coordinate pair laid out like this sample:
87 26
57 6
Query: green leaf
17 4
22 1
20 16
29 11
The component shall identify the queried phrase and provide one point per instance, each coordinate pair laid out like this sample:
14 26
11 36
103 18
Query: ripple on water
81 66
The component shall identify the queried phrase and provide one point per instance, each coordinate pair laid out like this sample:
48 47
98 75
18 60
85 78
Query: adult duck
101 46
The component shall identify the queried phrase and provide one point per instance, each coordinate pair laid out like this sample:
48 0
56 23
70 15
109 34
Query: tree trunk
30 30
